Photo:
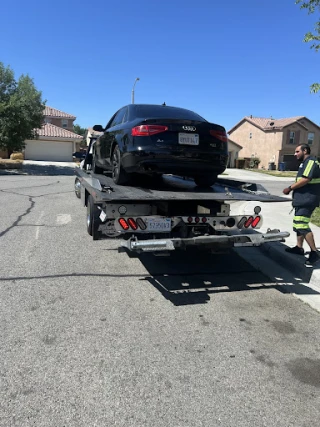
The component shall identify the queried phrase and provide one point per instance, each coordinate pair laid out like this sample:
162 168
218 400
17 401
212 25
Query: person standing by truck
306 197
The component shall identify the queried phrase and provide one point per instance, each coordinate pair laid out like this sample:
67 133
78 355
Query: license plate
158 224
188 138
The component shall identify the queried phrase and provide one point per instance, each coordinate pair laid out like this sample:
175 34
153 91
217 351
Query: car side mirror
98 128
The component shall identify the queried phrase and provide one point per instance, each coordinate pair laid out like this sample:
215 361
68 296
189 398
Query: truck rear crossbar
170 244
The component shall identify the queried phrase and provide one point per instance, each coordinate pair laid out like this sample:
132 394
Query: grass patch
315 219
285 174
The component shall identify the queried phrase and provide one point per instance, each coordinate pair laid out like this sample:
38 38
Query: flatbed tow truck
172 213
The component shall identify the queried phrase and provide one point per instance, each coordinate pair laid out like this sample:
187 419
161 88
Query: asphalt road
90 337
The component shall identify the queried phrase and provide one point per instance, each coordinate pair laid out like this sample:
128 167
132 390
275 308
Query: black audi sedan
158 139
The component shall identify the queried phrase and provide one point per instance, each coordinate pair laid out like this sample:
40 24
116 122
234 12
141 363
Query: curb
293 263
10 165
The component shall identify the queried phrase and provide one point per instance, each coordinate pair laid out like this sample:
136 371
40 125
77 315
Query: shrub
254 162
17 156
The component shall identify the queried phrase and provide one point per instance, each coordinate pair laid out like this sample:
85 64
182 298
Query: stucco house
56 141
233 149
91 134
274 140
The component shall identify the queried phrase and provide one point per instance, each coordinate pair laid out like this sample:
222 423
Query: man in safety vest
306 197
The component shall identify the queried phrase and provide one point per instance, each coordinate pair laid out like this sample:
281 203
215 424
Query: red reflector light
132 223
197 219
204 219
248 222
190 219
123 223
219 134
255 222
147 130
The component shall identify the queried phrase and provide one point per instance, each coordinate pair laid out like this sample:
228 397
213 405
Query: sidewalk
277 215
244 174
280 216
45 163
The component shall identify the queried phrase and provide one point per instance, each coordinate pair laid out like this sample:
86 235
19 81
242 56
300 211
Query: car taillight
219 134
147 130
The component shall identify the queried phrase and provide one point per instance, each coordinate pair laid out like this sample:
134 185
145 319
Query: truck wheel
205 180
94 167
119 175
93 220
77 188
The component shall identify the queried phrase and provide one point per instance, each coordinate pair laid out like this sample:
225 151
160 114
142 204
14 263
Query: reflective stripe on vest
313 181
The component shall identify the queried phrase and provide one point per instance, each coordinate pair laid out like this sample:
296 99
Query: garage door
49 151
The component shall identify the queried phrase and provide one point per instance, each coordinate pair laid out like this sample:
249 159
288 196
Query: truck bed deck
102 188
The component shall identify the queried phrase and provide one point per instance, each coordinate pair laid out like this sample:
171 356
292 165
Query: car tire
93 219
157 179
94 167
205 180
119 175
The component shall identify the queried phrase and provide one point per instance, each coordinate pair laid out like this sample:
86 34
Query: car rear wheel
205 180
94 167
119 175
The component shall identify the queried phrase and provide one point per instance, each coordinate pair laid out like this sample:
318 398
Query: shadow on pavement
293 263
190 277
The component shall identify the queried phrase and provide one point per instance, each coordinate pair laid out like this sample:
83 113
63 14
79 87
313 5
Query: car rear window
160 111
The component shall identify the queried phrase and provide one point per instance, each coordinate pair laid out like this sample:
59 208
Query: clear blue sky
222 59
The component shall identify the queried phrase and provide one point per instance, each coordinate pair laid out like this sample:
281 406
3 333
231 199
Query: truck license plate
189 138
158 224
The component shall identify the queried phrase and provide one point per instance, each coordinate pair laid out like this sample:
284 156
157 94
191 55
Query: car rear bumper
171 163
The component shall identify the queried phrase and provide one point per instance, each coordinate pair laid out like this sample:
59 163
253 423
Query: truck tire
205 180
93 219
77 188
119 175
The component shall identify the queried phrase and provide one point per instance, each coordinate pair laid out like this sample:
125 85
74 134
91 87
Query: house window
291 138
310 138
250 135
64 123
47 120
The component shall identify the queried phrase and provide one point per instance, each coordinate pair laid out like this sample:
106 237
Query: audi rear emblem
191 128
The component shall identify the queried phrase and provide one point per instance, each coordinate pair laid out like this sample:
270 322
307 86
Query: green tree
312 6
79 130
21 110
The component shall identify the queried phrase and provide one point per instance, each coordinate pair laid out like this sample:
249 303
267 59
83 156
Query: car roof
157 105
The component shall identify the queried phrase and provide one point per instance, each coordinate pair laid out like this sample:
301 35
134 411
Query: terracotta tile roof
51 130
53 112
270 123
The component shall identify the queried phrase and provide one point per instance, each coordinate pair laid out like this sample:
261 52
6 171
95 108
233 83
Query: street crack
16 222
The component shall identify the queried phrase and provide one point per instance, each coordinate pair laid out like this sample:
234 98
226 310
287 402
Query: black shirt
309 194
